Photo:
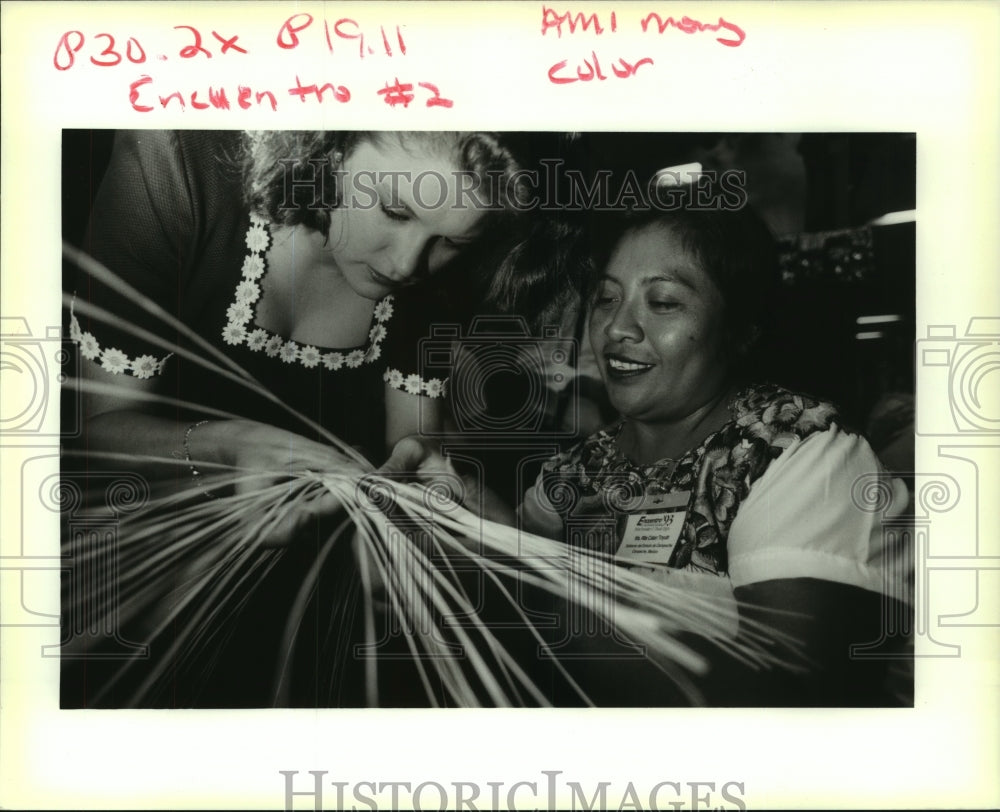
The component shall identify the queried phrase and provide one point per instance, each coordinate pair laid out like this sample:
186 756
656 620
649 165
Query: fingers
436 464
406 456
415 455
423 460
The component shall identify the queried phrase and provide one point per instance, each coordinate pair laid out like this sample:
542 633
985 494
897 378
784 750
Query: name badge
653 528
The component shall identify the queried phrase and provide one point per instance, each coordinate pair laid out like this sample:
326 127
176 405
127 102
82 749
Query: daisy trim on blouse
414 384
240 328
111 358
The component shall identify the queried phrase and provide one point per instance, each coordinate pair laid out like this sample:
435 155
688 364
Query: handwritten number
288 35
189 51
436 100
109 51
72 41
67 51
135 60
402 93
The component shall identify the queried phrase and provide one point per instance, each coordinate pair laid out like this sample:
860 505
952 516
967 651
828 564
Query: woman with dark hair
740 489
736 249
316 261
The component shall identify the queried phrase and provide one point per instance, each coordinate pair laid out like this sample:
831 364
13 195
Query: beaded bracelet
195 473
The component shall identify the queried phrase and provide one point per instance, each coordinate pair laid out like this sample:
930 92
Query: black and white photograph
473 419
499 405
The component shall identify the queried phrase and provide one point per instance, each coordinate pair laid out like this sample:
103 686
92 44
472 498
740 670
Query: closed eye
606 293
456 244
397 214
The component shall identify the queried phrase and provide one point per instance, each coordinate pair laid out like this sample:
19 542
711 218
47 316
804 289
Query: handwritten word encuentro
593 68
146 93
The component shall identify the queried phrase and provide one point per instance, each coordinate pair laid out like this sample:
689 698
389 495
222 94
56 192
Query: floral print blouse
766 420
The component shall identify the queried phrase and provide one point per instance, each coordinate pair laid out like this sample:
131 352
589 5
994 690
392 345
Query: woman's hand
417 455
240 456
422 459
263 457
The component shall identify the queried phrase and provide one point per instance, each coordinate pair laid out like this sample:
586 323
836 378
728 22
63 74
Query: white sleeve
800 521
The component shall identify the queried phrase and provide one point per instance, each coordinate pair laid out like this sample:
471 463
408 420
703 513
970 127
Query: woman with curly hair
317 261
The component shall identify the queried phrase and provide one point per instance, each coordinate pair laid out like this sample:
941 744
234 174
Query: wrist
194 463
214 442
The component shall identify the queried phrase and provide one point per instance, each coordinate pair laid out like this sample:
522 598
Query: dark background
800 183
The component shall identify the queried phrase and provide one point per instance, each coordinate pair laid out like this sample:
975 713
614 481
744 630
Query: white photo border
928 68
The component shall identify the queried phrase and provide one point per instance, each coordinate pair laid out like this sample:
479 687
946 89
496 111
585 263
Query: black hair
736 250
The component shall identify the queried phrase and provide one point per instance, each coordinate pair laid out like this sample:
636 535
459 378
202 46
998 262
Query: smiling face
399 221
657 327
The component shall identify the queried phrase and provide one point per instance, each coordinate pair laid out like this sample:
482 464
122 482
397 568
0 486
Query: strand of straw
641 587
486 563
298 610
415 586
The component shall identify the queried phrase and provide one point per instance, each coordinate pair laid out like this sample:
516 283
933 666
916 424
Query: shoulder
201 147
809 516
779 416
822 456
194 143
199 164
767 422
833 473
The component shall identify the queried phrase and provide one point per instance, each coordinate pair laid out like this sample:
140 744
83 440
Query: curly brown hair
518 266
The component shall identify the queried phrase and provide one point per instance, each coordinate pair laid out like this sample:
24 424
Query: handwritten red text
144 96
342 31
216 98
112 52
591 69
690 26
551 19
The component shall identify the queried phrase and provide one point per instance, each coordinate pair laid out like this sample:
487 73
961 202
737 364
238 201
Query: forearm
222 458
162 449
793 665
